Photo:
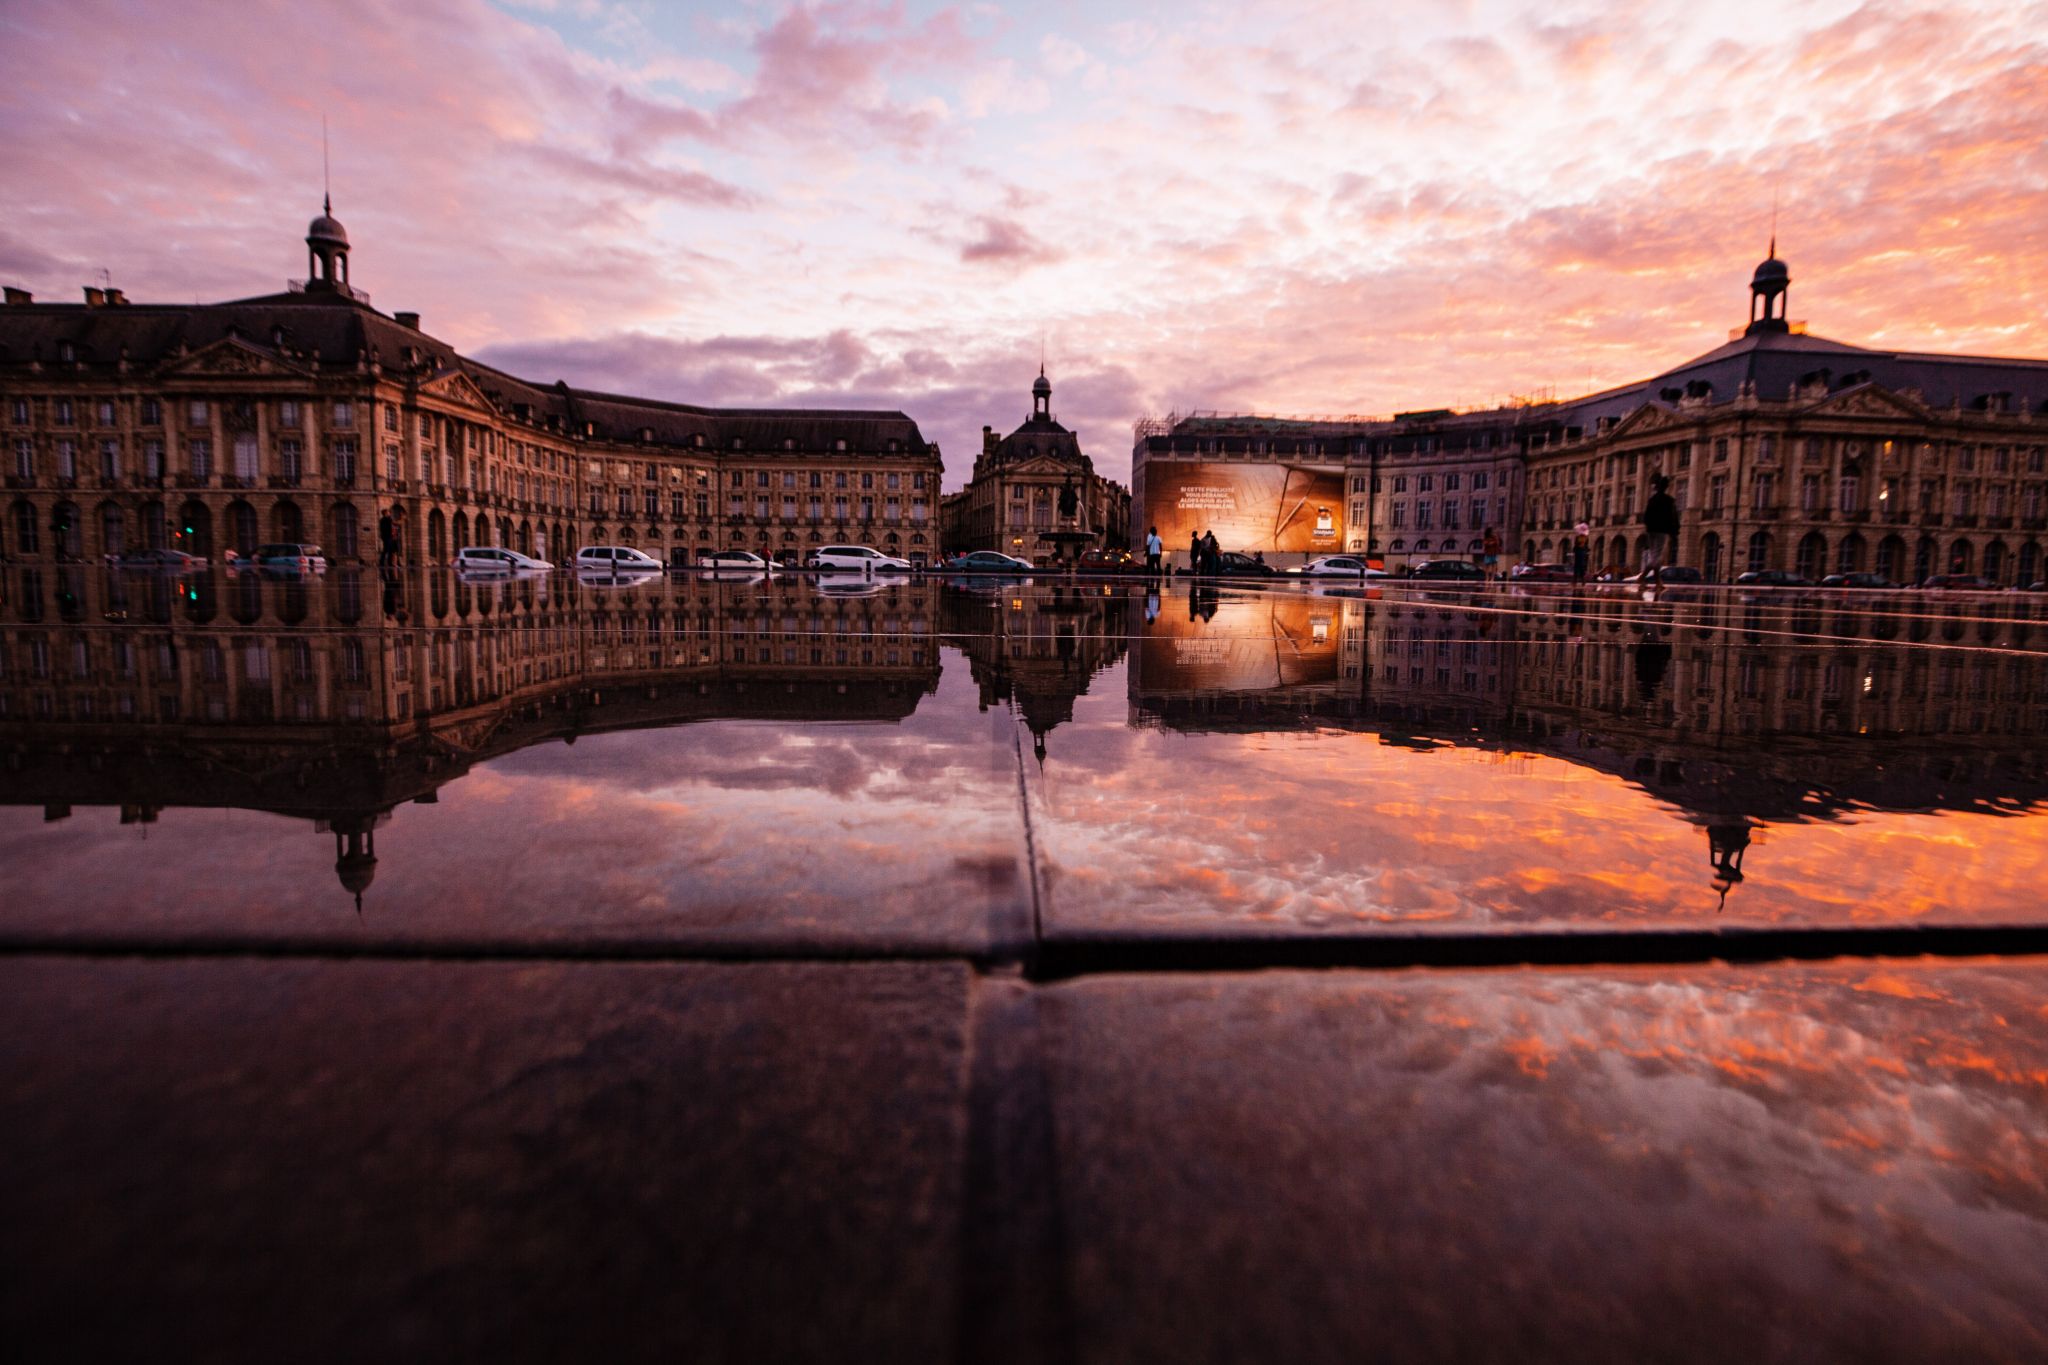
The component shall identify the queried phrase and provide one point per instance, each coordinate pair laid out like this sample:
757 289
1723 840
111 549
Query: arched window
1759 551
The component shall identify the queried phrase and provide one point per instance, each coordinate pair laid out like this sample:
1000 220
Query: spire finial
1774 225
326 185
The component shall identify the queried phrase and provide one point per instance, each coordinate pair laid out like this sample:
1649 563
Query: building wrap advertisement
1225 642
1272 508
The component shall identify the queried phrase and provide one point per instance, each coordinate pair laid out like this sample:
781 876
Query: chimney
116 299
95 298
17 297
411 320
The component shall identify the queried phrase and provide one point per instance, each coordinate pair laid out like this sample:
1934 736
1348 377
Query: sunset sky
1284 207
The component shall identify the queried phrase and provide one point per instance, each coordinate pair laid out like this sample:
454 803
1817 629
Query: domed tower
327 251
1041 397
1767 294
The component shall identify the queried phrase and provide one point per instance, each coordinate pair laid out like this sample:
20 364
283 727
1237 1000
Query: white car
734 559
1338 566
489 559
854 559
616 559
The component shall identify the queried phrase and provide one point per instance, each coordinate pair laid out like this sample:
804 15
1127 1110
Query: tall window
344 462
1845 493
199 452
291 455
110 460
245 455
67 459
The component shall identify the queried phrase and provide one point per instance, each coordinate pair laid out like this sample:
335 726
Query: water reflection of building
1736 713
1040 647
337 699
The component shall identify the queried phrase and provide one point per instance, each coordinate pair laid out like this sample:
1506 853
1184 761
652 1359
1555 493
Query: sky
1299 206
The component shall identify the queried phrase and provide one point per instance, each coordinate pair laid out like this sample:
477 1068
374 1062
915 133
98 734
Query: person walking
1489 551
1660 529
1154 548
1194 552
1582 553
1212 556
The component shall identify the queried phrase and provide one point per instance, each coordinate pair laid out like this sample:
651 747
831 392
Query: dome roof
327 228
1771 271
1041 384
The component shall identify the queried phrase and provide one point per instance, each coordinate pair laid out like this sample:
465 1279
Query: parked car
1337 566
1236 565
1109 559
854 559
616 559
491 559
1449 570
289 556
1671 575
734 559
1959 582
1857 580
1772 578
172 561
988 561
1542 573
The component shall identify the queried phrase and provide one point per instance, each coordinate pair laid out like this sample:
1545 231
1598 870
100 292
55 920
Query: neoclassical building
1035 495
1785 451
310 415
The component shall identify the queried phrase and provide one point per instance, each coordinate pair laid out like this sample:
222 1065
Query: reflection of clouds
1697 1164
729 830
1206 831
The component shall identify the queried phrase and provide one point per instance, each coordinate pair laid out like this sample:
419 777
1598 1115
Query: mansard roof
1773 365
338 331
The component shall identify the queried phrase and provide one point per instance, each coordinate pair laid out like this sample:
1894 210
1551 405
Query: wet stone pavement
408 967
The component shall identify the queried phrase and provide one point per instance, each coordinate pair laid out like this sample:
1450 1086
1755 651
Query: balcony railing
1998 523
1765 513
1965 520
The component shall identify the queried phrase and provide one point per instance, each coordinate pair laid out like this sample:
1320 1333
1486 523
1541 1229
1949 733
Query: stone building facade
1035 495
1785 451
309 415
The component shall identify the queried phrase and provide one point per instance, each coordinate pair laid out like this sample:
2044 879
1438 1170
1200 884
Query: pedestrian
1489 549
1582 553
1660 530
1212 557
387 539
1154 548
1194 552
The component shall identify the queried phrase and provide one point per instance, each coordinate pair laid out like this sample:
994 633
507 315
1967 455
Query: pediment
1867 400
1042 464
456 387
1650 417
231 356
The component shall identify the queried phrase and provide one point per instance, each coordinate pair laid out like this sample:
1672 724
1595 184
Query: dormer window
66 352
789 443
698 440
839 444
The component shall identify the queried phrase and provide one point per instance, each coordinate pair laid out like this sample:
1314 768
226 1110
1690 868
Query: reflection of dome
356 871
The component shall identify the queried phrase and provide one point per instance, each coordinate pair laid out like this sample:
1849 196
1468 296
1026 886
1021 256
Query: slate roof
337 330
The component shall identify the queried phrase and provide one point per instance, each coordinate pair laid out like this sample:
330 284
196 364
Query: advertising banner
1269 508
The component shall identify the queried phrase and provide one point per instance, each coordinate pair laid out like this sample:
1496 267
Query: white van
616 559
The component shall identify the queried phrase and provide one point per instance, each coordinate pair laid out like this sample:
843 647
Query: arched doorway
113 529
462 531
1813 549
242 533
1962 556
1994 562
194 532
1923 558
1891 557
1759 551
289 521
2029 565
1710 557
437 537
1849 554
